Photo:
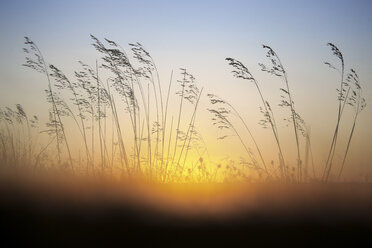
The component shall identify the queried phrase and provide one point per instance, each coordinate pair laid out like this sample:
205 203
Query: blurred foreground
81 211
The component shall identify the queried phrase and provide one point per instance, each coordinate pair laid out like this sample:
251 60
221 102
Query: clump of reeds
96 97
277 69
222 119
341 105
241 71
35 60
136 83
17 145
358 102
351 85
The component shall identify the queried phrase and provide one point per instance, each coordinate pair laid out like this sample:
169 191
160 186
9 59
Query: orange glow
186 200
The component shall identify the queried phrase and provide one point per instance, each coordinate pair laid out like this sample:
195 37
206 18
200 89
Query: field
160 186
185 123
89 184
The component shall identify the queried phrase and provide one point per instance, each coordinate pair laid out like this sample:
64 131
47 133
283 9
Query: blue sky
213 22
182 33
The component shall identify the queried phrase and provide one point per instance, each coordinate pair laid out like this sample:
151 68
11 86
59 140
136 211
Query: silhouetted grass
97 97
129 80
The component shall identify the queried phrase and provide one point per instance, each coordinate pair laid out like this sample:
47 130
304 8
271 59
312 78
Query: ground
84 212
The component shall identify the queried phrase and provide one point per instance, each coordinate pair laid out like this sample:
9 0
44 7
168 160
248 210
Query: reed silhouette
133 87
122 158
99 101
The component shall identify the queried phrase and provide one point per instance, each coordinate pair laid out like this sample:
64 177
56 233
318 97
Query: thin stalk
273 128
82 128
295 129
162 109
135 129
330 160
332 150
118 129
179 118
157 123
351 134
169 145
293 113
191 131
37 159
165 120
55 109
99 117
148 126
347 149
251 135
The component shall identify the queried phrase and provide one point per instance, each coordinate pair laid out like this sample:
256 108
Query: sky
199 35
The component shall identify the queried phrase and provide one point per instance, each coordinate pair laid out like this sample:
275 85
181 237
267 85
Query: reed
276 68
242 72
219 114
342 96
120 85
36 61
222 119
358 102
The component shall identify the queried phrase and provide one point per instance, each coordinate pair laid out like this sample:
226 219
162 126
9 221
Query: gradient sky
198 35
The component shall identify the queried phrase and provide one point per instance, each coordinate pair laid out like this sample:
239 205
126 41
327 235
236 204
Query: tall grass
222 120
17 138
36 61
118 107
355 101
133 88
277 69
358 102
241 71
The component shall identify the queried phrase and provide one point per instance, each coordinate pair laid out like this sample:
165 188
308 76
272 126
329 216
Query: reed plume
241 71
358 102
276 68
36 61
342 96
